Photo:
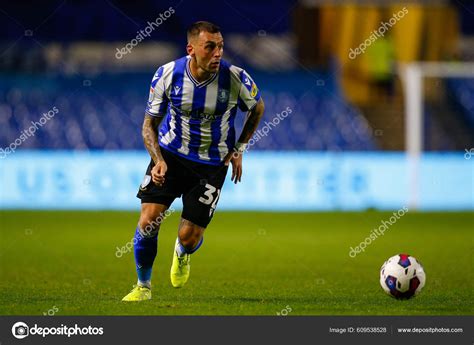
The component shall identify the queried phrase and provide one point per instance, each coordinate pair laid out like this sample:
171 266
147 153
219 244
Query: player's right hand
158 173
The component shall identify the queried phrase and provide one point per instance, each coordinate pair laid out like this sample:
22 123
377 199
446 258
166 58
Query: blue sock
181 250
145 249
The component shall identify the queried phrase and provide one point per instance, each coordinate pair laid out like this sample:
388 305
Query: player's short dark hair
196 28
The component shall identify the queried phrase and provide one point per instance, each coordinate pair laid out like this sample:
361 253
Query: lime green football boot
138 293
180 269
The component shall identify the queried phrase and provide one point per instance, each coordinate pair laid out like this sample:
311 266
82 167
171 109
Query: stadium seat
106 113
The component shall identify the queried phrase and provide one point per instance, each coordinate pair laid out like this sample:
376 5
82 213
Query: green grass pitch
250 264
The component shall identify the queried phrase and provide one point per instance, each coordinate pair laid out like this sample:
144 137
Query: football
402 276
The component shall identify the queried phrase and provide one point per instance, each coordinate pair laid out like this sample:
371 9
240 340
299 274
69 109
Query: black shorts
199 184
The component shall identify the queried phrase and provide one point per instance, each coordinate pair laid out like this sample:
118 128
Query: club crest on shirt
222 95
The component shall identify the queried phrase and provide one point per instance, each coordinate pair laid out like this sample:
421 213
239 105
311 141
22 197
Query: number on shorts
209 197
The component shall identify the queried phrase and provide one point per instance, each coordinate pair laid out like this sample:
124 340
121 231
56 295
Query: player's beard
206 67
214 69
210 69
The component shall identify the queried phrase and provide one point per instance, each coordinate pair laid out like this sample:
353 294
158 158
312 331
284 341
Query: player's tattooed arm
253 119
150 138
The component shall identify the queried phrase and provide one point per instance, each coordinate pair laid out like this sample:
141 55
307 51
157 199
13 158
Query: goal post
412 76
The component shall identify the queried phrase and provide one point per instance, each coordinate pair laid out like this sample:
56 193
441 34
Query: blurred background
368 123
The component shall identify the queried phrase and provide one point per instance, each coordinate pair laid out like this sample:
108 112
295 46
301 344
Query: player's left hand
236 159
158 172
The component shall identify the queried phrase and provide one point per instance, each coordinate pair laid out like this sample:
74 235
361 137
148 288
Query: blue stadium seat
108 113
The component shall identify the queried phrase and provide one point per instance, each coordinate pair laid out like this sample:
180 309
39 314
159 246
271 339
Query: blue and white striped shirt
199 117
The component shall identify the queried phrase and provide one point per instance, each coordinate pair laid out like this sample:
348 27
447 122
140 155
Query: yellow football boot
180 268
138 293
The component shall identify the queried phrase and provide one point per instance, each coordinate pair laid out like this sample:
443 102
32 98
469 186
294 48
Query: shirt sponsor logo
254 90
